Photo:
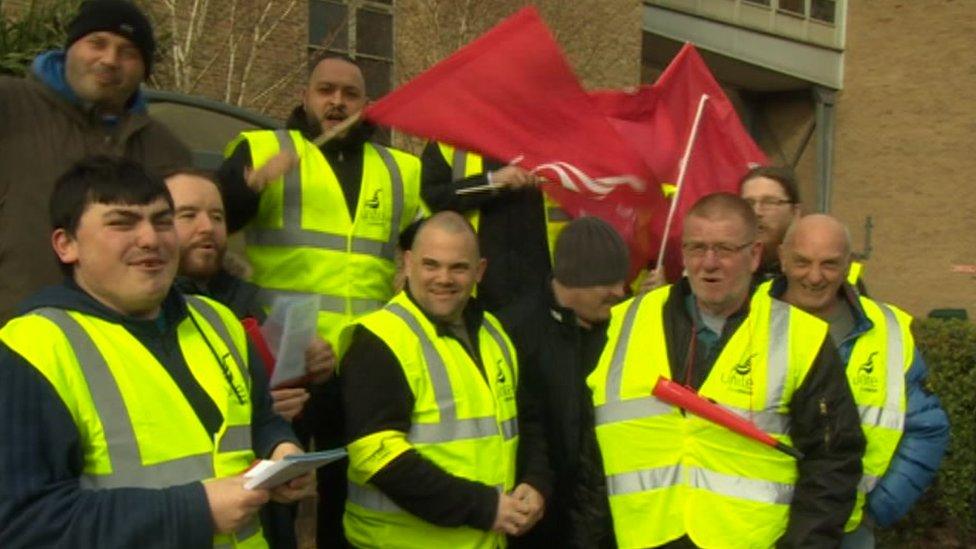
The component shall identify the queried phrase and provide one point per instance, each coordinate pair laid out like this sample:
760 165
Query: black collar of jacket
352 141
473 315
566 317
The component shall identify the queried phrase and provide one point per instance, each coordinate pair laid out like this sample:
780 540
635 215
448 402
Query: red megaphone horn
680 396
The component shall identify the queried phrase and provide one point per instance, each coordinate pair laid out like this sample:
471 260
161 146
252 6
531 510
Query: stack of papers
269 474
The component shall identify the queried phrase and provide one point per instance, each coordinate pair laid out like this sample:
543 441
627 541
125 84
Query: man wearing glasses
773 195
676 480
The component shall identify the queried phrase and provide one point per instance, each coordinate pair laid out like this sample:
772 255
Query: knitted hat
117 17
589 252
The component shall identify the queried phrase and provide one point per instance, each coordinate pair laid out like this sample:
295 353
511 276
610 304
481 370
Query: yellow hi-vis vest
463 422
854 273
670 474
876 372
136 428
465 164
302 240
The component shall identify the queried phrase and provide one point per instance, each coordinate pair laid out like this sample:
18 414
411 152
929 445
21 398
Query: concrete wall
904 148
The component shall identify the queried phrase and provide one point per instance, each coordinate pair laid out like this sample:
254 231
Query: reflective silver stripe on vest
778 357
217 323
623 410
292 234
762 491
327 303
449 427
867 483
237 438
120 437
880 417
769 421
895 375
459 164
555 214
500 341
644 480
616 372
243 533
371 498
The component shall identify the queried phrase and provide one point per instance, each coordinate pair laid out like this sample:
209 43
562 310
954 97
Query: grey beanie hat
589 252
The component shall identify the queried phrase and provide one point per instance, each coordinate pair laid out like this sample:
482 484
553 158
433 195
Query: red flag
659 120
511 95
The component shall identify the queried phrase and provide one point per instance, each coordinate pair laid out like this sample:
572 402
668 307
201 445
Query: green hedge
945 516
38 26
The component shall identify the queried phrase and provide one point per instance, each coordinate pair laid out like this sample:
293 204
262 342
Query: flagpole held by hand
338 129
675 200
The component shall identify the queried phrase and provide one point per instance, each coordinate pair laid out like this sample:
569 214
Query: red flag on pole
661 119
512 96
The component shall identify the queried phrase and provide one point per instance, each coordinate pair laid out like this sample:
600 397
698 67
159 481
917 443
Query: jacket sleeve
377 398
919 453
827 429
240 202
268 429
533 449
41 501
439 190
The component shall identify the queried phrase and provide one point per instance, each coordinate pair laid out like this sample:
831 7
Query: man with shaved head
677 480
429 387
905 426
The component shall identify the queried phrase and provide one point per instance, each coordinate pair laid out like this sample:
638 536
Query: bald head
443 266
448 222
815 255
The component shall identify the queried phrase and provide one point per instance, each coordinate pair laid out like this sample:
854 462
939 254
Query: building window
823 10
793 7
361 29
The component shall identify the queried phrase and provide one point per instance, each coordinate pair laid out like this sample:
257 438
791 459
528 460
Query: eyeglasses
722 251
767 202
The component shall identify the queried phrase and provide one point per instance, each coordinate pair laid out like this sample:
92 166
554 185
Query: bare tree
242 52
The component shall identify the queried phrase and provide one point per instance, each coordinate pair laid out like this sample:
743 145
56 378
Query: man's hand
231 506
654 279
277 166
320 360
512 515
288 403
296 488
534 502
514 177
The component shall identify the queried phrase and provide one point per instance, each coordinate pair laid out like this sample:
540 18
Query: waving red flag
511 95
659 121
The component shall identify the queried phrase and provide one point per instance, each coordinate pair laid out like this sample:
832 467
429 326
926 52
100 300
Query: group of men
134 400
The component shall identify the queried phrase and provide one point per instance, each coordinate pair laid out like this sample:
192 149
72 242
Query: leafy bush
38 27
946 515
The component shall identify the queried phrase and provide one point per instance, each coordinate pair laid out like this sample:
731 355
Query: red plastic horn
680 396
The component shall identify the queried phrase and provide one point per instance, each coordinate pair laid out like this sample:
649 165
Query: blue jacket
923 442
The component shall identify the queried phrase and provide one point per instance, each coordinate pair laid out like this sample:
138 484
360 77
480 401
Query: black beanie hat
117 17
589 252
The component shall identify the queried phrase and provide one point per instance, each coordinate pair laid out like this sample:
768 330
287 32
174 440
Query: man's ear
480 270
65 246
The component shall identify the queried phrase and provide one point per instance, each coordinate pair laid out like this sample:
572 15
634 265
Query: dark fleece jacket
41 458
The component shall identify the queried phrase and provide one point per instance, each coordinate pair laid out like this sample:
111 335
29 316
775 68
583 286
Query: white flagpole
681 177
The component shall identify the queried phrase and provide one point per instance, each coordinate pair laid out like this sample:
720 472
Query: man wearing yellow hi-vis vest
130 410
429 391
906 428
676 480
517 224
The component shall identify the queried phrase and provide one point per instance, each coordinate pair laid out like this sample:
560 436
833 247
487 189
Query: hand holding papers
267 474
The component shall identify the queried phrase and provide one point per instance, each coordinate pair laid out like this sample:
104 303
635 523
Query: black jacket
41 457
511 234
377 397
556 355
825 423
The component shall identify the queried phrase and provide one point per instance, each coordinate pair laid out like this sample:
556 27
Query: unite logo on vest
504 388
375 211
866 378
738 378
